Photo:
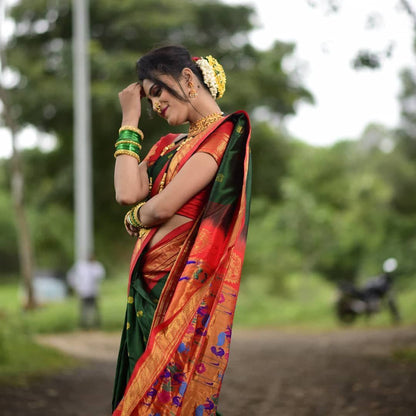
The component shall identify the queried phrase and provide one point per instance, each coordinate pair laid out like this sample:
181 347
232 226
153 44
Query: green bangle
131 219
131 129
128 146
130 135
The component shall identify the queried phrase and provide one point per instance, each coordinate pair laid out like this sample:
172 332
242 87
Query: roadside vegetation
318 215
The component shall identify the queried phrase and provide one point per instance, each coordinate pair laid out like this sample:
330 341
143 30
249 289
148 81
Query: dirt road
271 373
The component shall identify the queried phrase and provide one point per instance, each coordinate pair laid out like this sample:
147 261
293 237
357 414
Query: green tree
40 53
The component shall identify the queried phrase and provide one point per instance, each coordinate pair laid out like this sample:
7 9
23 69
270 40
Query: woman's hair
167 60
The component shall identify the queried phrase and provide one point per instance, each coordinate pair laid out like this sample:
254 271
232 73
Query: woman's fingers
133 90
133 231
130 103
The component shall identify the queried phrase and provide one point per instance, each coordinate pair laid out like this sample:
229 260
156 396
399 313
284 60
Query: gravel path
271 373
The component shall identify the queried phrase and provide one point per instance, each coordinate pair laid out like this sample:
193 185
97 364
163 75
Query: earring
158 108
192 91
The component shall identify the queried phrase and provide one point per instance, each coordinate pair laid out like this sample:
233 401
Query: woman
192 194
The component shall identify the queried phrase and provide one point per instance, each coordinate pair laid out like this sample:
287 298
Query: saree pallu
179 367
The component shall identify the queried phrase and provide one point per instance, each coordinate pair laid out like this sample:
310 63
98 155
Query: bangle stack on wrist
133 217
129 142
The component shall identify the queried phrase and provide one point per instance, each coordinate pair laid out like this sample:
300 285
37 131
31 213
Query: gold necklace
194 129
200 125
171 146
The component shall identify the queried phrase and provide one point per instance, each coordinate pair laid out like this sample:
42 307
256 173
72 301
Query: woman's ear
187 74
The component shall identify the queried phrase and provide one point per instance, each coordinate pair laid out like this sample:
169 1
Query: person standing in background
85 277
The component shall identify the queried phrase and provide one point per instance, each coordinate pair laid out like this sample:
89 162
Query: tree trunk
17 186
23 234
22 228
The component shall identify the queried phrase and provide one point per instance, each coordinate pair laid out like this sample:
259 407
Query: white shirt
85 276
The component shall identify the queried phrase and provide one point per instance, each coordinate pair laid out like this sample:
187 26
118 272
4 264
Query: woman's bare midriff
167 227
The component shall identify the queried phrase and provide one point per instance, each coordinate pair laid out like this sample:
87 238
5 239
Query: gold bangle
128 142
128 153
136 218
132 128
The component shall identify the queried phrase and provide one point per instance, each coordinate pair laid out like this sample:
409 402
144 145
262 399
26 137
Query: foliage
318 215
303 304
21 357
63 316
307 301
306 304
40 53
334 213
341 211
405 355
270 147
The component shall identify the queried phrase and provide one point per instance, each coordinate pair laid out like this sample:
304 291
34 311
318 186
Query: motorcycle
353 301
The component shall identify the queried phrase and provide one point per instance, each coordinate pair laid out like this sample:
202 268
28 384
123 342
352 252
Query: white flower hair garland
213 74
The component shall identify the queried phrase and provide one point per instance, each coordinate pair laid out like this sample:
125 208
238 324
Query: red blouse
214 145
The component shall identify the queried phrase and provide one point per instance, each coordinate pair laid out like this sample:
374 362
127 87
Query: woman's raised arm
131 182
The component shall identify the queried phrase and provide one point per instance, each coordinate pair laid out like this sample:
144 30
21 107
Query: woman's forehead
147 84
165 79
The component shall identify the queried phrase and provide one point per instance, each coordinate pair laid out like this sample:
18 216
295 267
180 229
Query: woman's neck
201 111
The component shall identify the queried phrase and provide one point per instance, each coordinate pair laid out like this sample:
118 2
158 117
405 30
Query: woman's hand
131 229
130 104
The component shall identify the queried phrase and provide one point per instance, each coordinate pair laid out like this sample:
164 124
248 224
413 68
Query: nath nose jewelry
158 108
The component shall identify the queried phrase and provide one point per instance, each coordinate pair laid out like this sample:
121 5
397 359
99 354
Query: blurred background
331 91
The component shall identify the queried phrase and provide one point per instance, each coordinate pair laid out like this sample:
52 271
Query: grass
22 359
405 355
306 304
63 316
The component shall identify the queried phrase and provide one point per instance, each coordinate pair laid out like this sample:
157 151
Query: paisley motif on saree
180 367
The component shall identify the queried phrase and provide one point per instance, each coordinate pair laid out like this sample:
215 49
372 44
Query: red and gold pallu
183 291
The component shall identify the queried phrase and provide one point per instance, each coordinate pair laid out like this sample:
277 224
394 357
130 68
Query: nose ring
158 108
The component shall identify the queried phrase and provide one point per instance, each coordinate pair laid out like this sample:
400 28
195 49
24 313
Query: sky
346 100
